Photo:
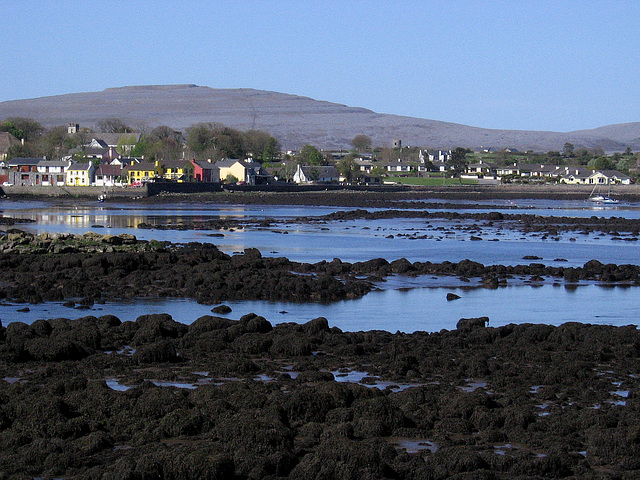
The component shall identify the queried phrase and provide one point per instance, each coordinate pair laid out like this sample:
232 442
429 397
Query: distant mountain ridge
295 120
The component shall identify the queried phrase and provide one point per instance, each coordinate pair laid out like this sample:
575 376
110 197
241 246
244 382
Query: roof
109 170
7 140
176 163
207 166
80 166
323 171
24 161
140 167
227 163
612 173
53 163
112 139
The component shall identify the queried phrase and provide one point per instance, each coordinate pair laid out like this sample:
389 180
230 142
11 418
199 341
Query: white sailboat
599 198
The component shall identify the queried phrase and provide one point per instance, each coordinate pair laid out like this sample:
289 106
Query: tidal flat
242 396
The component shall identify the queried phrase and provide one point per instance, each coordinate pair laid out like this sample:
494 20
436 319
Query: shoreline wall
569 192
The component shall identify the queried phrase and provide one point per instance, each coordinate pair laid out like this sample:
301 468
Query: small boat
597 197
102 197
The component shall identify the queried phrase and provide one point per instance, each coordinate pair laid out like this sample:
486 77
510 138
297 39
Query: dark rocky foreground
156 399
255 401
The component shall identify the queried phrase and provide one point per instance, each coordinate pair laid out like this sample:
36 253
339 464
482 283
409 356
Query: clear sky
530 65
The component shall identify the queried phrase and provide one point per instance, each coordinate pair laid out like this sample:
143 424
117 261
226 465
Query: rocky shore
97 398
246 399
92 268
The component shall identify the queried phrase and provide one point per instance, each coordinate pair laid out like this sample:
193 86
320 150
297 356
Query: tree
164 132
201 140
228 142
126 144
287 170
271 150
24 128
361 143
310 155
601 163
113 125
8 126
216 141
255 142
231 178
458 161
347 167
56 142
568 149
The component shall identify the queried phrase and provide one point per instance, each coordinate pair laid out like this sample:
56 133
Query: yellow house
179 171
241 170
80 174
142 172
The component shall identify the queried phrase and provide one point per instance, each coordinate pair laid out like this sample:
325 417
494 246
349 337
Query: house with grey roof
246 171
23 171
316 174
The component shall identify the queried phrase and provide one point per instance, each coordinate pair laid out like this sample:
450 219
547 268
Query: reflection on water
352 241
418 309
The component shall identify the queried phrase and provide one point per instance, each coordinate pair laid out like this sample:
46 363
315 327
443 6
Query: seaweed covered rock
467 324
157 327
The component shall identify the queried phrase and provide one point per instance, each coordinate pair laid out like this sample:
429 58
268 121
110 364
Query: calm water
350 241
392 309
411 310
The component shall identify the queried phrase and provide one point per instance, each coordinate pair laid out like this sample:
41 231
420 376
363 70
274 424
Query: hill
295 120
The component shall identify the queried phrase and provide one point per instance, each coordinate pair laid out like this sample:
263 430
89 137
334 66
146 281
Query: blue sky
541 65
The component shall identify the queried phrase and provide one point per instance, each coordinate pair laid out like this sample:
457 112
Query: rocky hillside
294 120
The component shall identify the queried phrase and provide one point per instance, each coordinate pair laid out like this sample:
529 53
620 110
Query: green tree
348 168
255 142
126 143
310 155
24 128
378 171
458 161
271 150
8 126
361 143
215 141
567 150
201 140
601 163
231 178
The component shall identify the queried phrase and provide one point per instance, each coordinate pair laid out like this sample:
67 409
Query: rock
452 296
467 324
221 309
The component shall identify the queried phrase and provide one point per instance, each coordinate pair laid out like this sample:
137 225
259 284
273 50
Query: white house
316 174
399 166
52 172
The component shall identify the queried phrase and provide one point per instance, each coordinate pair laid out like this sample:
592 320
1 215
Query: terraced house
80 174
178 171
142 172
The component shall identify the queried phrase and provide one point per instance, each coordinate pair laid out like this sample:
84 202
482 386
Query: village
105 160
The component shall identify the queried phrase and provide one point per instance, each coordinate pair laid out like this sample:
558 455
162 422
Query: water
394 309
416 309
352 241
